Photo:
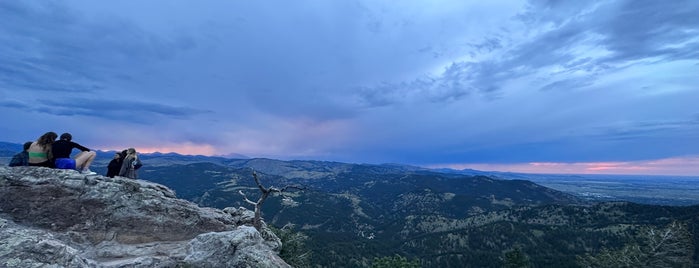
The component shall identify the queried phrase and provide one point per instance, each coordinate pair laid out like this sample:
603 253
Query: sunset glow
686 166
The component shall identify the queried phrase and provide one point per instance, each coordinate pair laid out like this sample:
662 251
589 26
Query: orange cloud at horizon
186 149
680 166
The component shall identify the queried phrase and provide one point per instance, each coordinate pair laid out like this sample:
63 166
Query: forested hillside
353 213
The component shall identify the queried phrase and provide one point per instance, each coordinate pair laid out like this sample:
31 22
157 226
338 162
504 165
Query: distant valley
444 218
353 213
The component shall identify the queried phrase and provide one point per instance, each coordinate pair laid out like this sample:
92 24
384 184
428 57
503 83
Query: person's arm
80 147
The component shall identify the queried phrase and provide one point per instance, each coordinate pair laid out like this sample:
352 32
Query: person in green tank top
40 150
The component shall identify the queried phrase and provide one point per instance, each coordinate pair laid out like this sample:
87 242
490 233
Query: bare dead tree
265 192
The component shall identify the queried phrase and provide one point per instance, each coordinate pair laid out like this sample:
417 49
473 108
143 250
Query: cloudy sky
538 86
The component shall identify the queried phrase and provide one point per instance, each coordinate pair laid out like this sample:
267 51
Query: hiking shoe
88 172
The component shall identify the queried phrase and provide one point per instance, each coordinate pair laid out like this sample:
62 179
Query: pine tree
516 259
395 261
294 250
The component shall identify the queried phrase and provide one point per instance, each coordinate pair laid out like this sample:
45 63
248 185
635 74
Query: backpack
20 159
137 164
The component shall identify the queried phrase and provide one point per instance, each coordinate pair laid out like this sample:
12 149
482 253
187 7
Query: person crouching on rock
115 165
130 165
40 150
64 147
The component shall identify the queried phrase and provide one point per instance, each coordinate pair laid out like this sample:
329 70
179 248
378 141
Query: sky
531 86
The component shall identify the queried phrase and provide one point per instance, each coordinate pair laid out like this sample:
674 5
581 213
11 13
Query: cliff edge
61 218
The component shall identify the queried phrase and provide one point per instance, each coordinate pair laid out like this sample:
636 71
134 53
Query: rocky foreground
61 218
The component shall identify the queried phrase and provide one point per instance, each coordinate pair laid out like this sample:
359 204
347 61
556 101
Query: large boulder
212 249
61 218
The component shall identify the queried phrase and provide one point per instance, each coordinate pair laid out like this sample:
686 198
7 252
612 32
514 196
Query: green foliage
395 261
671 246
516 259
294 250
357 212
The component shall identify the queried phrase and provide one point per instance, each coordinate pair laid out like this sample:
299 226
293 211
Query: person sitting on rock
22 158
40 150
62 150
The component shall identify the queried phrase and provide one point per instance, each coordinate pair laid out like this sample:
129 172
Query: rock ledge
61 218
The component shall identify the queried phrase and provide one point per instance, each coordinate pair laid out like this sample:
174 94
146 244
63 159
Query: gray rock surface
206 250
61 218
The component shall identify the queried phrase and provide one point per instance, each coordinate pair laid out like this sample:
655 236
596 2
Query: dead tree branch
264 193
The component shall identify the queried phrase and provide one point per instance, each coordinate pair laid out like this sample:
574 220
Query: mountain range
353 213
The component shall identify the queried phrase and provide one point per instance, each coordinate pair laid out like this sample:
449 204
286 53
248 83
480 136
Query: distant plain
645 189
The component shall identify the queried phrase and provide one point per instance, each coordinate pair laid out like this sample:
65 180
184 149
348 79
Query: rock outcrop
61 218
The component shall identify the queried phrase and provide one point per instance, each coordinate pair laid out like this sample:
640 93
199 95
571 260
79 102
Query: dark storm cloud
132 111
364 81
631 30
628 30
568 84
14 104
657 130
143 112
638 29
46 46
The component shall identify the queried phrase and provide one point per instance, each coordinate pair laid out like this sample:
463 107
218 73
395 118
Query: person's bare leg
79 160
84 159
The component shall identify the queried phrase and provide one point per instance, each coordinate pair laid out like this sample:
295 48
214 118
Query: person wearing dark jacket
115 165
64 147
22 158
